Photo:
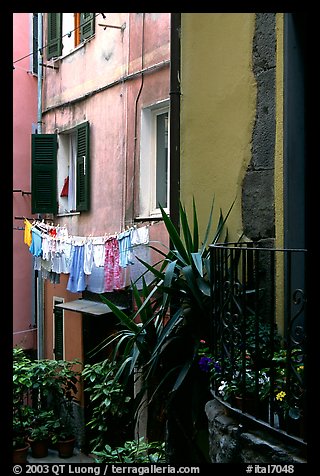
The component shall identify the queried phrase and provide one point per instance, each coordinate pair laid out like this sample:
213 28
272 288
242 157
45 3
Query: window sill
67 214
148 218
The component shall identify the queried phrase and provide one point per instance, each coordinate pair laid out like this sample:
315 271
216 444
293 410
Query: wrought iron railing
258 334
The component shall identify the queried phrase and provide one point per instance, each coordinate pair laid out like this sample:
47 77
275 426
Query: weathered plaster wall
93 83
258 183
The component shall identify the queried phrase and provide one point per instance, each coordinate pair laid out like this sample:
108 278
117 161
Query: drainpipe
175 30
40 287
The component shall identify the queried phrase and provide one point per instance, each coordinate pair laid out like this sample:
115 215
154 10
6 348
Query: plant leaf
175 237
185 229
197 259
195 228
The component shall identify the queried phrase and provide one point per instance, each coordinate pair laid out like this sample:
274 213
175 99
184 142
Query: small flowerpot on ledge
258 409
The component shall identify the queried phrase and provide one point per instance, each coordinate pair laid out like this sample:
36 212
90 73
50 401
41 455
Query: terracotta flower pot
20 454
65 447
39 448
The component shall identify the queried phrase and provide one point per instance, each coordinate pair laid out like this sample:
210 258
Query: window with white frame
67 169
154 159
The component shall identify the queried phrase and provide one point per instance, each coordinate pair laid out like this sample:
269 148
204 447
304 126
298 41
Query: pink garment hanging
112 271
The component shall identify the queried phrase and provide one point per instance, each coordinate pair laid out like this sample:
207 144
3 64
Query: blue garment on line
77 279
36 243
125 249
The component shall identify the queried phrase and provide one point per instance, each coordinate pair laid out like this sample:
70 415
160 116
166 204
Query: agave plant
171 315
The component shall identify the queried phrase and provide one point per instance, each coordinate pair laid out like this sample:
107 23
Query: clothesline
53 230
97 263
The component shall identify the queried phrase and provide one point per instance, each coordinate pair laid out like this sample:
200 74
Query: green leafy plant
22 383
171 314
54 383
133 451
61 430
42 387
109 403
284 406
20 427
41 425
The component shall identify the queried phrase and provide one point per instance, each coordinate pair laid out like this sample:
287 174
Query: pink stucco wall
99 73
100 82
24 114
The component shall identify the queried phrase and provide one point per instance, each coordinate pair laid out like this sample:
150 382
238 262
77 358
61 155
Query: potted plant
49 387
20 444
39 433
237 384
63 438
21 411
290 411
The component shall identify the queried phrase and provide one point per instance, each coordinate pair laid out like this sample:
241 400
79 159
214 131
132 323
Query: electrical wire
46 46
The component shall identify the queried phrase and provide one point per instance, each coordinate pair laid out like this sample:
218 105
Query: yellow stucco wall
278 171
217 111
218 108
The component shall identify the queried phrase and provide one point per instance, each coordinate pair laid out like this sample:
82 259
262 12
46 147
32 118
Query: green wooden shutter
54 47
58 333
35 43
44 173
83 168
87 25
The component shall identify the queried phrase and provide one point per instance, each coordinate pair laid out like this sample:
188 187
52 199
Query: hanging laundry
99 249
98 264
95 281
77 281
88 257
141 250
27 236
112 271
125 249
65 248
36 243
140 236
46 246
138 269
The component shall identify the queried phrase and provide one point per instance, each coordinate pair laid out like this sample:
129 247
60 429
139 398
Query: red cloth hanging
65 188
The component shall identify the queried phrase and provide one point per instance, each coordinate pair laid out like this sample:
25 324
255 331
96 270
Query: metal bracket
122 27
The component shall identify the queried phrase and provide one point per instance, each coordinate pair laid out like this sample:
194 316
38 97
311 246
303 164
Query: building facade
139 109
100 168
243 137
24 123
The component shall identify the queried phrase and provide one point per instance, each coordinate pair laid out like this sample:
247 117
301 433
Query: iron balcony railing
258 345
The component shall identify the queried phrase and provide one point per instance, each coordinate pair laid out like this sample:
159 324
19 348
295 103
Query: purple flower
204 363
